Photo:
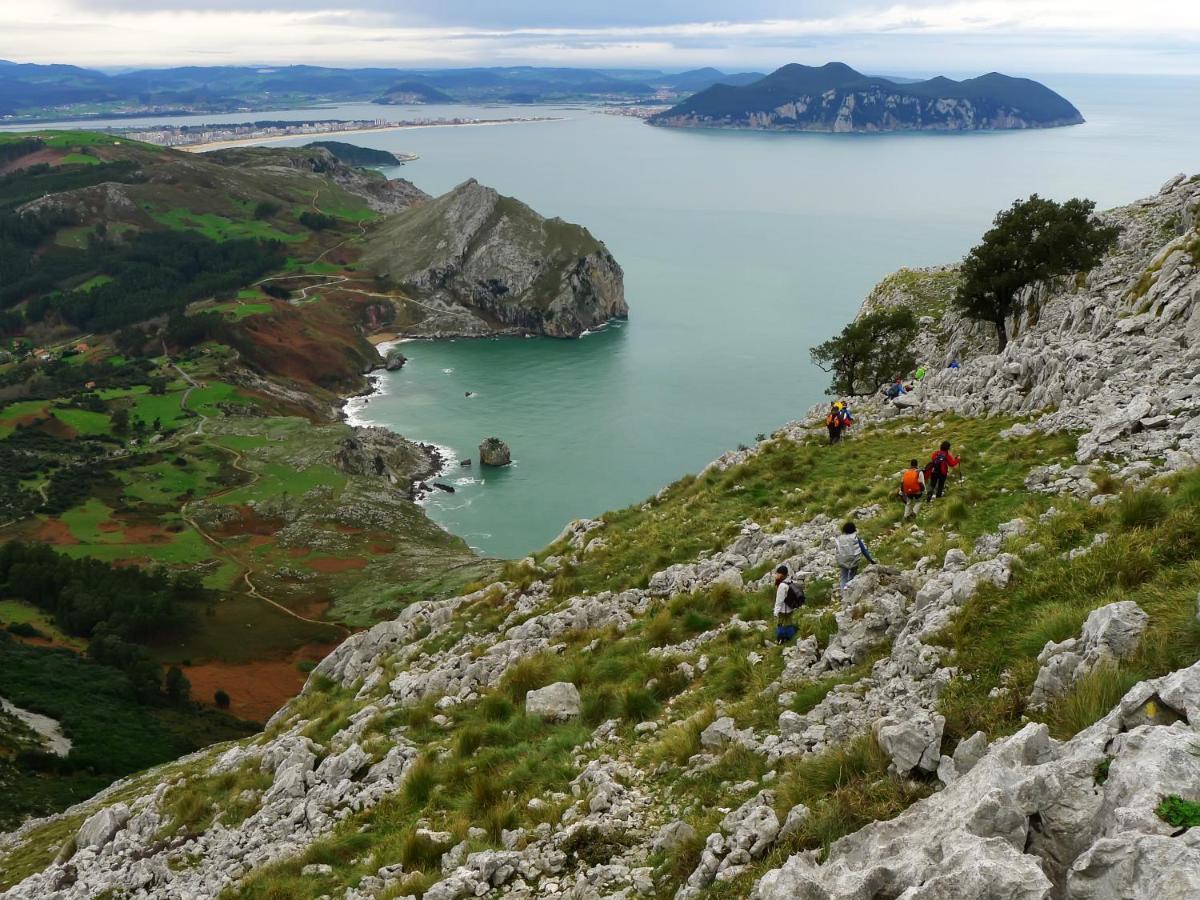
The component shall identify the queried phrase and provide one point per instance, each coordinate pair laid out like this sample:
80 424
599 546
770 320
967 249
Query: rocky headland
836 98
1009 708
478 263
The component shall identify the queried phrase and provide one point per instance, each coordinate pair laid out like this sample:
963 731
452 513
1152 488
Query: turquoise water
740 251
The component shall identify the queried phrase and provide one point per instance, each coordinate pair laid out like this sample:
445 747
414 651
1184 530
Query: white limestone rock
556 702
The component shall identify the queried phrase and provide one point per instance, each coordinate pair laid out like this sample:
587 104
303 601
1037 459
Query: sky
923 37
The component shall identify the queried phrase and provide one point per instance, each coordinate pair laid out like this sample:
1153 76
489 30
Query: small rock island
494 452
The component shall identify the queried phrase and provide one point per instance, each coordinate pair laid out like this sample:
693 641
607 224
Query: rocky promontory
476 262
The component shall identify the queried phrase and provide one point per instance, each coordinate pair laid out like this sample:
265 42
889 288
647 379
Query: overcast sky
922 37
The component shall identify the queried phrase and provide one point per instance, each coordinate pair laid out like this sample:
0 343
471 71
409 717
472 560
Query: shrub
317 221
418 852
638 705
221 698
599 705
266 209
24 629
1176 811
496 708
419 784
528 675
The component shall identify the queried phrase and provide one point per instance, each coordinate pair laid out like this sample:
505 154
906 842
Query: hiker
912 488
941 461
896 389
919 375
833 422
847 417
850 551
789 597
953 364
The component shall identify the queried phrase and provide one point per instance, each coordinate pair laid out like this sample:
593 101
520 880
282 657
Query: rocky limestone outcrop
480 263
1113 353
378 452
1110 634
1032 819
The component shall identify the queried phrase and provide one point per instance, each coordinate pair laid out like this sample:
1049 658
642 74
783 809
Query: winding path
236 462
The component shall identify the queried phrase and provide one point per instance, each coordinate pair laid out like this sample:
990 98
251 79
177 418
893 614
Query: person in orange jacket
912 488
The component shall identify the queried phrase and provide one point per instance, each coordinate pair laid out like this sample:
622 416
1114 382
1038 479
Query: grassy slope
484 768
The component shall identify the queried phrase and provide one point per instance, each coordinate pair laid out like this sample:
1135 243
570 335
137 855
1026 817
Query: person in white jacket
788 597
849 551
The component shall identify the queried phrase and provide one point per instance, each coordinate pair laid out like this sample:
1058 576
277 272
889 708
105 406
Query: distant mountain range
836 98
59 91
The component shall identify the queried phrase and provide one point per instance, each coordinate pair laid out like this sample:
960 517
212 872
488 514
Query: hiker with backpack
941 461
912 488
849 551
838 420
789 597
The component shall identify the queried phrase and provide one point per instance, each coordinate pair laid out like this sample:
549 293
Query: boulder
494 452
913 742
672 836
1110 633
394 359
100 828
720 734
556 701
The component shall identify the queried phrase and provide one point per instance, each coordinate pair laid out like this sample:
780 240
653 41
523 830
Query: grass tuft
1180 813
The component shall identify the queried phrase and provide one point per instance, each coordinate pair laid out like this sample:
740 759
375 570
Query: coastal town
188 136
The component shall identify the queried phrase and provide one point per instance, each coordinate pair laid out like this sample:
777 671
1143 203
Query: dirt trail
254 477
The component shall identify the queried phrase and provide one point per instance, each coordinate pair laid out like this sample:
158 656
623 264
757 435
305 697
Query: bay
740 250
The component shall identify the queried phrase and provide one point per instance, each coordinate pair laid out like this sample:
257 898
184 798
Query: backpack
846 550
939 465
910 483
795 596
831 419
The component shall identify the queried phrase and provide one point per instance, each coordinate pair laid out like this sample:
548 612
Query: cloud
957 36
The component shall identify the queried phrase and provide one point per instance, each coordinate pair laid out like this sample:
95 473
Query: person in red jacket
941 461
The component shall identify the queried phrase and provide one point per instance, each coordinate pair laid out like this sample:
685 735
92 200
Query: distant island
836 98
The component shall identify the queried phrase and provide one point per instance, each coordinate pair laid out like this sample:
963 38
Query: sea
741 251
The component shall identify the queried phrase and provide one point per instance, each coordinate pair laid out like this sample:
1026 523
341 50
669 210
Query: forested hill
353 155
835 97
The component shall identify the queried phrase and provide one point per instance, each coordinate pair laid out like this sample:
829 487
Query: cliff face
479 263
1001 709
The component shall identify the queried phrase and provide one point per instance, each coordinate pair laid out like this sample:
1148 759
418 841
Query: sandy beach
319 135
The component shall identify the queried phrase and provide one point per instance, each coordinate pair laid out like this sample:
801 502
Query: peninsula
836 98
207 137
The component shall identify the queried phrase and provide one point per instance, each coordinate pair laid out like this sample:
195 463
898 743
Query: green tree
870 350
177 686
1031 241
